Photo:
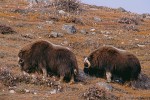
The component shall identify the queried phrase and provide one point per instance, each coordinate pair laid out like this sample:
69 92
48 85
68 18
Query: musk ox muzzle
87 64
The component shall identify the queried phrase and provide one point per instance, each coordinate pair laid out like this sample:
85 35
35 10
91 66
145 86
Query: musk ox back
113 64
45 57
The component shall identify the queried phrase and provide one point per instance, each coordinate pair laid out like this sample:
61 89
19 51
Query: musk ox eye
21 61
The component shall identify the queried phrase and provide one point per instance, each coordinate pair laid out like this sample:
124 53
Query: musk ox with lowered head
43 56
112 63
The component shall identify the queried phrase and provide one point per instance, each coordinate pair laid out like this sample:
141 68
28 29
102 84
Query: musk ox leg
25 73
42 65
44 72
108 76
61 79
72 81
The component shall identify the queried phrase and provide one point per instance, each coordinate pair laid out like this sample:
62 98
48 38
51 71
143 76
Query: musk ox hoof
108 81
71 82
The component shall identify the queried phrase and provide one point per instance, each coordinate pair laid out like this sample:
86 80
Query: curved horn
87 61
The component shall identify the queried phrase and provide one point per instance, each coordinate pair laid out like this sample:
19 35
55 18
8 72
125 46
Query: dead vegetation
97 93
71 6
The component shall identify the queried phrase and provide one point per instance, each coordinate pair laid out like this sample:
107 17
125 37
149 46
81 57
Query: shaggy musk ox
42 56
112 63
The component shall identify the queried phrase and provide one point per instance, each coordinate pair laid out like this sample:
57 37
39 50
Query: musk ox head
92 70
24 61
87 65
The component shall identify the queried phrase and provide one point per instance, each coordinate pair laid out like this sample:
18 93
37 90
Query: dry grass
34 25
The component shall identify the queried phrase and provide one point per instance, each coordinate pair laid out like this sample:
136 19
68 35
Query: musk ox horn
87 61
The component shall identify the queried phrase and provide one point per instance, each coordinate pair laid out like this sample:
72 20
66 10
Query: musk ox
44 57
112 63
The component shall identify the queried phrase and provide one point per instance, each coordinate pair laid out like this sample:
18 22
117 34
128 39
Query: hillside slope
96 26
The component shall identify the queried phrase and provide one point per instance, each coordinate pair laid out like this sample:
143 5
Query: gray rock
93 33
50 22
104 85
83 31
55 35
140 45
97 19
54 91
27 91
92 29
60 34
106 32
62 12
12 91
146 15
122 9
70 29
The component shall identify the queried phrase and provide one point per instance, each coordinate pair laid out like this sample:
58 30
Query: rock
97 19
50 22
12 91
35 93
104 85
22 11
78 21
2 55
27 91
122 9
105 32
55 35
146 15
6 30
93 33
70 29
126 20
92 29
62 12
54 91
83 31
60 34
131 28
30 36
141 45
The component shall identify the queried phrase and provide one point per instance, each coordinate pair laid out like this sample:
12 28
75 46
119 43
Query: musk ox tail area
66 64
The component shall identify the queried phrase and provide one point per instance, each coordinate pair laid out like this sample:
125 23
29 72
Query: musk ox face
24 62
91 70
86 65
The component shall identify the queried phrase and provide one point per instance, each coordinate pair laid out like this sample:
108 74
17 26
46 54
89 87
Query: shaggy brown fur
113 63
45 57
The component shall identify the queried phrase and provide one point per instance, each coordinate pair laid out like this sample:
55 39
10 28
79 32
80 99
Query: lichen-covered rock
70 29
6 30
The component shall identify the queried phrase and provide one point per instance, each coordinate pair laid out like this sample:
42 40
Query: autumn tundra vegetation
73 31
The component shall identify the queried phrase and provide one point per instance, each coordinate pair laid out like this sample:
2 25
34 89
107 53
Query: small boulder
6 30
70 29
104 85
97 19
122 9
55 35
12 91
